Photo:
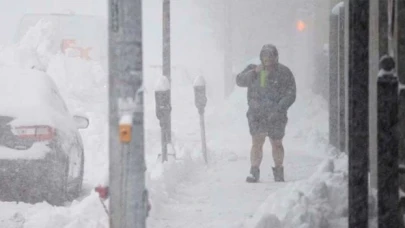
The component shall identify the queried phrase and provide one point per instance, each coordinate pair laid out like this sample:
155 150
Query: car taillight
37 133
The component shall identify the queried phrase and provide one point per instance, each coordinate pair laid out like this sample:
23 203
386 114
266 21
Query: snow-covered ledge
336 8
162 84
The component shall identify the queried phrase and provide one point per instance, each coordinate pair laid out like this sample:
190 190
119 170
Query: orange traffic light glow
301 25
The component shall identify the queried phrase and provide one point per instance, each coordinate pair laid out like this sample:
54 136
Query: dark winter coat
275 95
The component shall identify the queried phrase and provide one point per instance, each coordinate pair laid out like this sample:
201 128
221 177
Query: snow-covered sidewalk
218 196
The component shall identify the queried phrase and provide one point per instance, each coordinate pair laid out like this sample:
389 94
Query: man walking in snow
271 91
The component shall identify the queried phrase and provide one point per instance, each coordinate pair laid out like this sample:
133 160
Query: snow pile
163 179
162 84
88 213
34 50
320 201
38 103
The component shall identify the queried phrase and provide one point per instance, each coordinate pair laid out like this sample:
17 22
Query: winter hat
269 50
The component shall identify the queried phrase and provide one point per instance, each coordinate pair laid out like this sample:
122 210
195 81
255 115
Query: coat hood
268 49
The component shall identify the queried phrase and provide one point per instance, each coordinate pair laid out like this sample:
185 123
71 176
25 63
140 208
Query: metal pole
126 143
163 109
167 59
341 79
203 140
400 58
388 197
163 138
358 119
333 81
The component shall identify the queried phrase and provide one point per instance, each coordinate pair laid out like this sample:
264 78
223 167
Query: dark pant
262 126
260 123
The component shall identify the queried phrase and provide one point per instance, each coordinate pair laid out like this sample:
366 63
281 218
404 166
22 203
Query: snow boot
255 175
278 173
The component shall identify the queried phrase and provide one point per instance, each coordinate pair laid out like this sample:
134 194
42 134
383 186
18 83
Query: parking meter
163 110
200 99
200 96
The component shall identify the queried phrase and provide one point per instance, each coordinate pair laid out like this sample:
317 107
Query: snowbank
32 102
320 201
88 213
34 50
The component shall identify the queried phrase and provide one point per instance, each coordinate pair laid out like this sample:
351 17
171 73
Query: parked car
41 150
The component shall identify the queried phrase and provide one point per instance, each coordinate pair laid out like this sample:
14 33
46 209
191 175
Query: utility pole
128 203
358 111
167 59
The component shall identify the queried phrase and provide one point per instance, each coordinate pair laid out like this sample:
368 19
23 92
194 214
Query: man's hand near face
259 68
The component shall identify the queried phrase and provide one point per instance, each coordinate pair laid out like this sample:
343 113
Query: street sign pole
128 196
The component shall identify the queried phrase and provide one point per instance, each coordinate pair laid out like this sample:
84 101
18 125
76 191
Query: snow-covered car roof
32 98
